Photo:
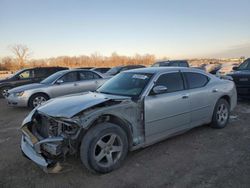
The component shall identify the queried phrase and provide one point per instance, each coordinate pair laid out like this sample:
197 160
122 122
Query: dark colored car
241 77
27 76
115 70
172 63
101 69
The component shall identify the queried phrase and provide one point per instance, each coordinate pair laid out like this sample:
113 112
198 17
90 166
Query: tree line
21 59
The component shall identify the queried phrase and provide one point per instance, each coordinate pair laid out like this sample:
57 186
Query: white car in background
226 68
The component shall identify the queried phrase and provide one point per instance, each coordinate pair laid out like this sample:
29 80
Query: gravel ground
202 157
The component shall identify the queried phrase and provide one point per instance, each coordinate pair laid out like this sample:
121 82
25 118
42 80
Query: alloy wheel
4 92
222 114
108 150
38 101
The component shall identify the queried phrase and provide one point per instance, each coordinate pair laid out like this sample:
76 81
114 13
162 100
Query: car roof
155 70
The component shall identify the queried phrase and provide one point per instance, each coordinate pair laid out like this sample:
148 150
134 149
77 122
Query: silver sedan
61 83
132 110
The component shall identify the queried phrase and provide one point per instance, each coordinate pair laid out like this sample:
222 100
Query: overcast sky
171 28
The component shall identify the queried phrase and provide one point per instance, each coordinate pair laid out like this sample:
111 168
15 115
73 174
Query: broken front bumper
32 149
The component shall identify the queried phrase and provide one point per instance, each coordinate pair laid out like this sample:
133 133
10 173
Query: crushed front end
47 140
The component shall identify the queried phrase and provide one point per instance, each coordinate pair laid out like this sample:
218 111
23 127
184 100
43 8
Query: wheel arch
227 98
37 93
121 122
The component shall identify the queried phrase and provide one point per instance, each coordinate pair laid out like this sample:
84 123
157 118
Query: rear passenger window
70 77
40 73
196 80
175 64
183 64
87 75
173 81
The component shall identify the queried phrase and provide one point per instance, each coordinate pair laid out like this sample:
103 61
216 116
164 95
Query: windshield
245 65
126 84
52 78
113 71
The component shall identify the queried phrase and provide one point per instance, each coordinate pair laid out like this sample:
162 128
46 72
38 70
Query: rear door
89 81
167 113
200 95
40 74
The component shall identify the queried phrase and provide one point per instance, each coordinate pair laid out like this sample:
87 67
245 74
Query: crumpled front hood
70 105
27 87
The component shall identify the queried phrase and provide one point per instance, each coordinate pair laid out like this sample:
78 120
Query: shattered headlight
70 126
70 129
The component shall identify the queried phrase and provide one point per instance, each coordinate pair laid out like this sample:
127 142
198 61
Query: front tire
37 99
104 148
3 91
221 114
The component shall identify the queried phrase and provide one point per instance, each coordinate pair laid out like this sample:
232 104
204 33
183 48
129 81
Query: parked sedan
61 83
132 110
116 70
171 63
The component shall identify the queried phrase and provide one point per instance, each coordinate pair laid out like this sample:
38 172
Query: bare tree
7 63
21 53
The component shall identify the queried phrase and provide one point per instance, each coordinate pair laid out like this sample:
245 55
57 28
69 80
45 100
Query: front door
25 77
167 113
69 85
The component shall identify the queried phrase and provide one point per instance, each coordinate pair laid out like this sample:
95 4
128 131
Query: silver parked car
132 110
61 83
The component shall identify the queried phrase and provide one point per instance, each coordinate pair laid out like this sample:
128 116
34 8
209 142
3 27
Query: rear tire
104 148
221 114
37 99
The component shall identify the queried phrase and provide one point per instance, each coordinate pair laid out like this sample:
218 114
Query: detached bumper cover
29 152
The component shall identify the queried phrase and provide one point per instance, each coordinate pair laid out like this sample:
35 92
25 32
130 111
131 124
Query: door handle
215 90
185 96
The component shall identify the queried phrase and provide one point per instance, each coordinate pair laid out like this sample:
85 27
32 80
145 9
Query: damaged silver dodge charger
132 110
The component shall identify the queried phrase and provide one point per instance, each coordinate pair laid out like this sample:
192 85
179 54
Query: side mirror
17 77
59 82
160 89
235 68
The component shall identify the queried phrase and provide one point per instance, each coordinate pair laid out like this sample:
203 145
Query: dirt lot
202 157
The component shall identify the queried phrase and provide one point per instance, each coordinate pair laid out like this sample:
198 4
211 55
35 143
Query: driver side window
173 82
26 74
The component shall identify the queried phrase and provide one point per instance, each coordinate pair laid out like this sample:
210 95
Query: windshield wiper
106 93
